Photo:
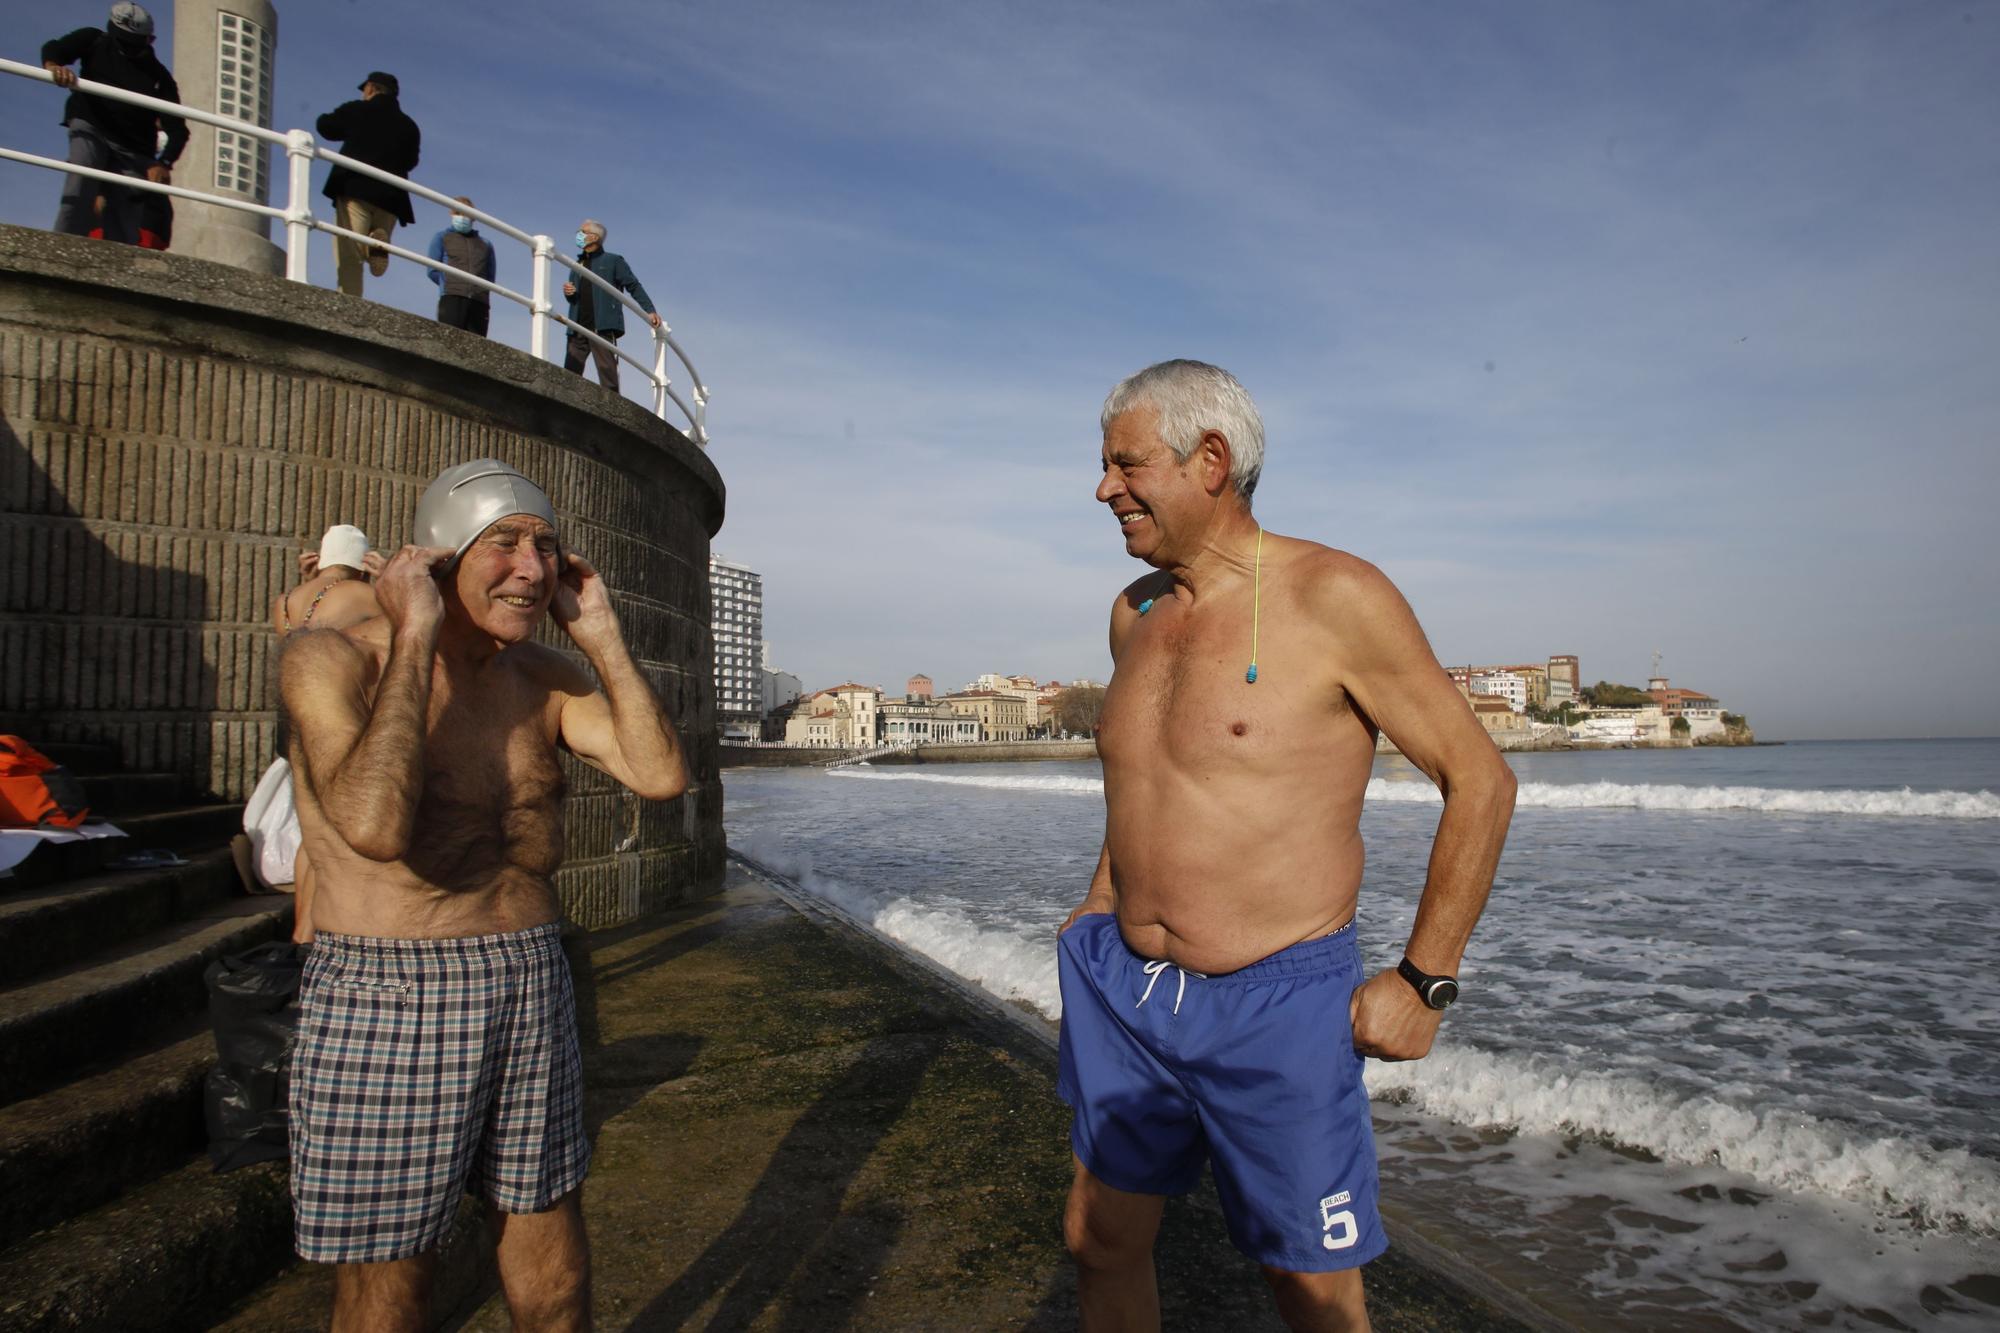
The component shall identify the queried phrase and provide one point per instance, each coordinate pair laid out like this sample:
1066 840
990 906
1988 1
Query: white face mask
460 223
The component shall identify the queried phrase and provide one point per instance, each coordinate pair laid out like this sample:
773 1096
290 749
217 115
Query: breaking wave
1785 1150
1905 804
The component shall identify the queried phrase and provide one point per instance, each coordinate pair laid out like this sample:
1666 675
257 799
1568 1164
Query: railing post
660 371
539 322
298 212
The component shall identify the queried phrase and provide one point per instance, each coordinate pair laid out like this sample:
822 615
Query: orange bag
35 791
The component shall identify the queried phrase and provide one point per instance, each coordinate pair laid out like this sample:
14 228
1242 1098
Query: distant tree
1078 708
1604 694
1563 714
1681 727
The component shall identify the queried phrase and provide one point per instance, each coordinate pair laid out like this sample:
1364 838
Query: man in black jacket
108 135
373 129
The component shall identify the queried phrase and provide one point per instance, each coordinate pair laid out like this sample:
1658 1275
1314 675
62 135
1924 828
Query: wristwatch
1437 992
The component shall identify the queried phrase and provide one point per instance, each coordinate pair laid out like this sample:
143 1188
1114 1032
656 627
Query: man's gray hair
1191 397
589 224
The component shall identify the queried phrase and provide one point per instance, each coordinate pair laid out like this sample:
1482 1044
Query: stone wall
173 433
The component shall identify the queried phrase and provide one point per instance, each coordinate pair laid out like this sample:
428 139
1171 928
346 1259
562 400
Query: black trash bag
253 1003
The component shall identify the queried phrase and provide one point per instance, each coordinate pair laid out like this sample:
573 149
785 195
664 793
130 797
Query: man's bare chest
1181 691
490 747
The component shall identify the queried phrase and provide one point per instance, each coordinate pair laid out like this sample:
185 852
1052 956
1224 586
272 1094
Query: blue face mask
583 240
461 225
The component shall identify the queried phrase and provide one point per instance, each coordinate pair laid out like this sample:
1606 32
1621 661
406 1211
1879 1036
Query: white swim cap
343 544
468 499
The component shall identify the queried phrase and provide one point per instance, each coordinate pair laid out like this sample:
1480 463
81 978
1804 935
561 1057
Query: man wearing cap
108 135
437 1046
372 129
593 307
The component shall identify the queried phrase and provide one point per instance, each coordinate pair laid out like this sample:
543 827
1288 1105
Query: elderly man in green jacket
593 308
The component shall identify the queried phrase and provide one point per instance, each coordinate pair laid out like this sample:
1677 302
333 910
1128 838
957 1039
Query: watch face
1442 994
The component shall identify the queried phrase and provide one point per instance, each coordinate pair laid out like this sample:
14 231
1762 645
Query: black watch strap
1439 992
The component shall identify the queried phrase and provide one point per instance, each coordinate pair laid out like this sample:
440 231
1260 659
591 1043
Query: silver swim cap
468 499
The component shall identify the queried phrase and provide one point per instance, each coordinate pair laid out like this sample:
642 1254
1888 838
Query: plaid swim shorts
424 1069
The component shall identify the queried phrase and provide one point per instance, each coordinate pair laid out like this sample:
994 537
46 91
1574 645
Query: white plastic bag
273 825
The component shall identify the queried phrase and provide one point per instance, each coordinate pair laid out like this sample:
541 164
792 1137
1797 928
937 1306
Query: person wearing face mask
593 309
461 304
108 135
372 129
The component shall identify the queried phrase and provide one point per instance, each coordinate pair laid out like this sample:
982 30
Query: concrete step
52 926
110 1129
301 1295
110 1003
54 862
114 794
169 1255
183 828
79 757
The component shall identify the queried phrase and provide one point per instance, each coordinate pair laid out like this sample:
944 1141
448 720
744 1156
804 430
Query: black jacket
136 70
372 130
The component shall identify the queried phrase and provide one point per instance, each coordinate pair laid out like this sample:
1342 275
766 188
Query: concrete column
225 56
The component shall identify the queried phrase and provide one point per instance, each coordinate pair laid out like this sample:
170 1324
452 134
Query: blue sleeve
631 284
436 252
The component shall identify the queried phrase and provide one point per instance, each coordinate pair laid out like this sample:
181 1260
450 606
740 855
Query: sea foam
997 960
1906 804
1532 1094
1782 1149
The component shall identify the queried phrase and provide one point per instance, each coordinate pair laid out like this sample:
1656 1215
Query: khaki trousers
348 257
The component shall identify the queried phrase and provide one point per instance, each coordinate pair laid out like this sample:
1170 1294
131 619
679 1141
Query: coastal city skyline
1626 329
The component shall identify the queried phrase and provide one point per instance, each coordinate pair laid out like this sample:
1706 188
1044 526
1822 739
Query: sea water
1729 1048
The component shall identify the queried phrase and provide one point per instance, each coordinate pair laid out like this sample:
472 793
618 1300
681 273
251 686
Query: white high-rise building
737 595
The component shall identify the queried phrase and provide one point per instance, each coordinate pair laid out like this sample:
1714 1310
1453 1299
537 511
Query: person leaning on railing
461 304
373 129
113 136
592 307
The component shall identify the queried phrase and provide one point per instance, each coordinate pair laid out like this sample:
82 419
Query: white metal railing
301 151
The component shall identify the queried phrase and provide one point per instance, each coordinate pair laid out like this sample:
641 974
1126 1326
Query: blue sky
1600 328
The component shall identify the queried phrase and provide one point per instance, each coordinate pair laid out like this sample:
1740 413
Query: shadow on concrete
792 1246
655 955
95 650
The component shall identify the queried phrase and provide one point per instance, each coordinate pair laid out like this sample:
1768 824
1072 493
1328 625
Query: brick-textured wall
172 433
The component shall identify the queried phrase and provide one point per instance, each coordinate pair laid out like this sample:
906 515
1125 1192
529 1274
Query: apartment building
1001 717
1703 712
913 720
736 595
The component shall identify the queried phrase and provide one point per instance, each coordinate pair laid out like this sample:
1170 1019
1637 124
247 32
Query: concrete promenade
798 1128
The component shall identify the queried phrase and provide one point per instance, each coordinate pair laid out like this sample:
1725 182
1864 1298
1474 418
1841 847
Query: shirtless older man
437 1046
1213 1001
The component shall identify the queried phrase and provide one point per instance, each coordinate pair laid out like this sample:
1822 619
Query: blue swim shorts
1254 1070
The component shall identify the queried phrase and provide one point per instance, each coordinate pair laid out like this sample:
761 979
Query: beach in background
1731 1033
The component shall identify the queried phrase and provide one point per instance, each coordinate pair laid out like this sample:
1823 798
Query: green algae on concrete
796 1128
